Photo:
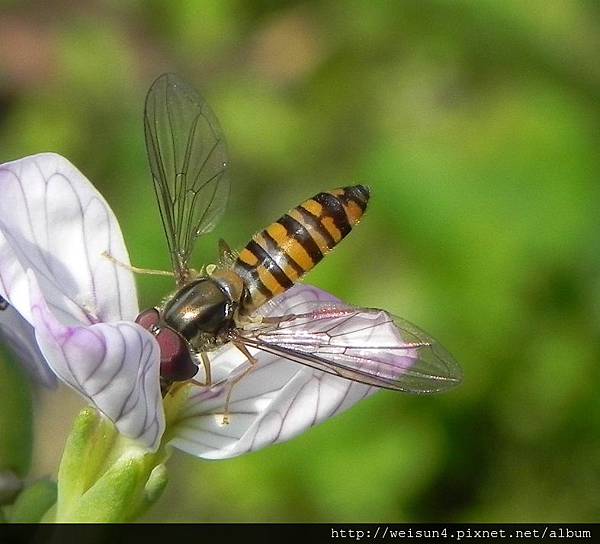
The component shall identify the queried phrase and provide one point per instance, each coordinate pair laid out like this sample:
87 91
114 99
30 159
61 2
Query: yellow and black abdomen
282 253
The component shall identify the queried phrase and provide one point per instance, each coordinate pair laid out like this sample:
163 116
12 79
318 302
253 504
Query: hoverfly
221 303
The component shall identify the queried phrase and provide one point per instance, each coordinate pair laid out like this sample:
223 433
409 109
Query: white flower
72 314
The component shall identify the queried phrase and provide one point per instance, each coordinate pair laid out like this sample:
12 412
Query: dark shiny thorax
201 312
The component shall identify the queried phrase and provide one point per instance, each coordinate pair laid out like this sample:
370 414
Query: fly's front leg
207 372
135 269
252 360
206 365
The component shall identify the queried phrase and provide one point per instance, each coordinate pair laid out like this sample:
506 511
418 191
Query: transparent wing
369 346
188 159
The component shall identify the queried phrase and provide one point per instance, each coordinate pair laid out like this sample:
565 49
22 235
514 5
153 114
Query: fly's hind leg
135 269
252 360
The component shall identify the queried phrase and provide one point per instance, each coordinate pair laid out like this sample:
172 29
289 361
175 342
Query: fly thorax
202 312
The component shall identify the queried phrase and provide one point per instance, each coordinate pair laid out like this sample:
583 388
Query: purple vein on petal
133 389
82 214
60 171
15 246
99 364
142 385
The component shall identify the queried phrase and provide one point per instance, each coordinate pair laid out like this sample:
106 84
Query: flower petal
19 336
274 402
54 222
115 366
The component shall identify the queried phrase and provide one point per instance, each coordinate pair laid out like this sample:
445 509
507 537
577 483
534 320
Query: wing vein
188 161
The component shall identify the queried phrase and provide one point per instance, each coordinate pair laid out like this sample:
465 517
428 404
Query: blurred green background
476 125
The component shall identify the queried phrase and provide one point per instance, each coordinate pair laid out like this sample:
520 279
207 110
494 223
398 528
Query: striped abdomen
282 253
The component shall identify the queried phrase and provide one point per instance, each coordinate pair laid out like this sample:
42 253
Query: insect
221 303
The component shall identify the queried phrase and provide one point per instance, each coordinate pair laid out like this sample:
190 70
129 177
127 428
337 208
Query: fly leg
207 373
252 360
135 269
3 304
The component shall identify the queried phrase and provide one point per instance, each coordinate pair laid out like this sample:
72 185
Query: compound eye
148 319
176 363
